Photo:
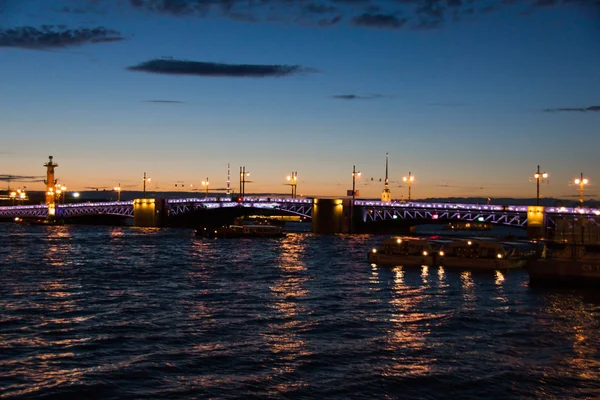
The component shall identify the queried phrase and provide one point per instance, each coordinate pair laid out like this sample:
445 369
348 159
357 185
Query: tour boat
568 264
468 226
237 231
402 251
478 255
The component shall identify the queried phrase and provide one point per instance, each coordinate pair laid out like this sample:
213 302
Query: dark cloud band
356 96
48 37
183 67
577 109
382 14
164 101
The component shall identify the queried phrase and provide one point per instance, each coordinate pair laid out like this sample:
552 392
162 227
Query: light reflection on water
154 313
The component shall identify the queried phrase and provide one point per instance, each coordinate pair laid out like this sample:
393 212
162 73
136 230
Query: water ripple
115 312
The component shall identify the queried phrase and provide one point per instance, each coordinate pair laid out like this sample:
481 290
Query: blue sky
470 96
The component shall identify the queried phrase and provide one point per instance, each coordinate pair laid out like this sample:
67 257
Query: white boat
402 251
478 255
566 264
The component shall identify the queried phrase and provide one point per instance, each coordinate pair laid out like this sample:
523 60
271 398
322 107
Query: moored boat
478 255
402 251
566 264
468 226
241 231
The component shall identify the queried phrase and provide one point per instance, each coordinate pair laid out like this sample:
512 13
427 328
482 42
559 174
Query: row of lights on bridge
293 182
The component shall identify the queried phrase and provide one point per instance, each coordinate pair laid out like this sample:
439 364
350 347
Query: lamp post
293 179
539 175
13 196
205 183
243 181
21 194
118 190
355 173
145 180
63 190
581 181
409 179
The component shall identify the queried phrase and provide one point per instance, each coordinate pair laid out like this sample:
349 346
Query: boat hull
564 272
480 263
394 259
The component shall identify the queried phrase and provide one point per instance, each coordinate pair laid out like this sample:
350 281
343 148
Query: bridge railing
476 207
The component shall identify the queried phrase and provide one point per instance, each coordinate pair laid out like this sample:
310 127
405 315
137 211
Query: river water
120 312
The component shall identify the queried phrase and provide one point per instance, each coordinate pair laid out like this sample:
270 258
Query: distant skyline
469 96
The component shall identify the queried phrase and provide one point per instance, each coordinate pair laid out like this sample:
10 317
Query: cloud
55 37
184 67
164 101
356 96
578 109
375 14
319 8
382 21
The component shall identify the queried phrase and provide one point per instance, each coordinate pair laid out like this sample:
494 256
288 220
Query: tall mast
386 169
228 179
386 195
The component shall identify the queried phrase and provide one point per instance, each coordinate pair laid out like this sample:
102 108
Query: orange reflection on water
58 246
374 277
408 332
410 326
500 295
55 289
468 290
281 337
424 273
499 278
116 232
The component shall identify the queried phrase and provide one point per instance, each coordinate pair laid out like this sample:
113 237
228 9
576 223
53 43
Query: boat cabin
405 247
474 249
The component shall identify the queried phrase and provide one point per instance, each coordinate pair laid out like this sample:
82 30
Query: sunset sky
470 96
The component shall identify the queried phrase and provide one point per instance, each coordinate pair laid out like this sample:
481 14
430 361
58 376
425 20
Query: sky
469 96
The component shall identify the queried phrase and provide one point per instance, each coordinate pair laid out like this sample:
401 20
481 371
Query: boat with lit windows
402 251
479 255
242 231
566 264
467 226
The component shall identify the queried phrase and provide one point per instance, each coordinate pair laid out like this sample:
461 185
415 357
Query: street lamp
408 179
243 181
13 196
21 194
355 174
118 190
63 190
581 181
205 183
539 175
145 180
293 179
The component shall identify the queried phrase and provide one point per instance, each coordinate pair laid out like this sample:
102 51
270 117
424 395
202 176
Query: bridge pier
536 222
330 216
149 213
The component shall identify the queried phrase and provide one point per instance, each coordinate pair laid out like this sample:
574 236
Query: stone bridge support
536 222
330 216
149 212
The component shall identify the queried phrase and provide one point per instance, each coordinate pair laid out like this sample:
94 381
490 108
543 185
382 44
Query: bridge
365 212
509 215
